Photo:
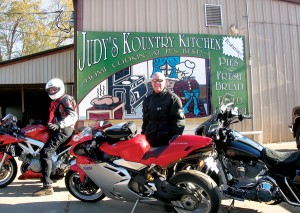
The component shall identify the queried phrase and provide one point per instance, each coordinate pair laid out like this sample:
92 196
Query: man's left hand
53 127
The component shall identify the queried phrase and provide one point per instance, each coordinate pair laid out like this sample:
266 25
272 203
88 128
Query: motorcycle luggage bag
120 132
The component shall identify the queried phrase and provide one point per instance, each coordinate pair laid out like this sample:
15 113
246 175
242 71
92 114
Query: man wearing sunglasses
163 116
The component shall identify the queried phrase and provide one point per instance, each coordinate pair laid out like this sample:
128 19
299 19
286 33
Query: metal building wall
40 68
274 32
271 30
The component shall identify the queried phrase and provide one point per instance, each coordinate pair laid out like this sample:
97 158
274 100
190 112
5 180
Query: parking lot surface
17 198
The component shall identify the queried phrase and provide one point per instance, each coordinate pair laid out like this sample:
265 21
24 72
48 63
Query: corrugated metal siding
173 16
274 30
271 31
40 69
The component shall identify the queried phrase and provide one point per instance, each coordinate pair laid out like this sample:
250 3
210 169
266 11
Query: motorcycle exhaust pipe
295 196
283 195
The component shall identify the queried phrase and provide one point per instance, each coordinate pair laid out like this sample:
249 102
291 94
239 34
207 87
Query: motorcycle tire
201 185
8 172
195 166
87 192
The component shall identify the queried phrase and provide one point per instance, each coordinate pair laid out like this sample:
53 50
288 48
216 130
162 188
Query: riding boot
46 190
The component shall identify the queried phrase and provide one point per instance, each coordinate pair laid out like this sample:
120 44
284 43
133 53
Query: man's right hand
53 127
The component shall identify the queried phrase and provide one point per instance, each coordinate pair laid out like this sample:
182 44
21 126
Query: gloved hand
53 127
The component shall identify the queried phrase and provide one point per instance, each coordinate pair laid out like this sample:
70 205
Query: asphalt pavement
17 198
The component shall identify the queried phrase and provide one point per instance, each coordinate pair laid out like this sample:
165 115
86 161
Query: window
166 69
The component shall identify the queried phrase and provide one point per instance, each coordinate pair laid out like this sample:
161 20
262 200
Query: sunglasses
157 80
52 90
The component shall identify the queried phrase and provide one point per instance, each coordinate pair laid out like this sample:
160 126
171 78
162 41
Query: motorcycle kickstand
231 206
135 204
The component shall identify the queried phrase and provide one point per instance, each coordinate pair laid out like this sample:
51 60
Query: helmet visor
52 90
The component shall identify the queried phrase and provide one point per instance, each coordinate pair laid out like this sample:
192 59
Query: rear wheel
204 196
8 172
194 165
87 191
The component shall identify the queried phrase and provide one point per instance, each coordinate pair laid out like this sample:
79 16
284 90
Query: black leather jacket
163 117
63 111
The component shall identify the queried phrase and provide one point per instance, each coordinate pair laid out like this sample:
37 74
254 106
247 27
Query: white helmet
55 88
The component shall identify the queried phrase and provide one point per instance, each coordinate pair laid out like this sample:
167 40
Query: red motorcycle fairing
8 139
76 168
38 175
135 149
30 175
41 133
73 140
38 132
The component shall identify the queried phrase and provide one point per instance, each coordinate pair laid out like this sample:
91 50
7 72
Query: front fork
4 156
76 168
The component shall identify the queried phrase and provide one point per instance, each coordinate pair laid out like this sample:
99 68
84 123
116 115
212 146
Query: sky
46 3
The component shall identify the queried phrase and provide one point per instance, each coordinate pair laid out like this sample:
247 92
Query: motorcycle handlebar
247 116
242 117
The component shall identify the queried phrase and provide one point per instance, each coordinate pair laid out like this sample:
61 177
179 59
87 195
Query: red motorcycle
26 144
120 164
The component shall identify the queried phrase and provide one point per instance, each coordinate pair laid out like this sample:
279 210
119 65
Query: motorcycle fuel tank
131 150
38 132
243 148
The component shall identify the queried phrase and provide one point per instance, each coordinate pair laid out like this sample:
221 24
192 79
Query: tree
26 28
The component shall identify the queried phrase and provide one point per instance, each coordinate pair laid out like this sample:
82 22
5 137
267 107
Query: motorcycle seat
280 160
154 152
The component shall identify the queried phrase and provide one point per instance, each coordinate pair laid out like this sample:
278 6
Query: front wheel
86 191
204 194
8 172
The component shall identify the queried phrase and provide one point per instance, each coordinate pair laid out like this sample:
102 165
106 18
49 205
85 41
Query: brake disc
3 173
189 202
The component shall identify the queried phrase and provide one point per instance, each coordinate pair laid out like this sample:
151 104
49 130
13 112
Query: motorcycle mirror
213 128
226 107
14 119
223 109
229 104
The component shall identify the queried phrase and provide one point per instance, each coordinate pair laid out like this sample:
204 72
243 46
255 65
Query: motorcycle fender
81 173
4 161
7 156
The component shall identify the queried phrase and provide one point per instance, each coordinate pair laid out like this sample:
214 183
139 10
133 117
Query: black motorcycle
244 169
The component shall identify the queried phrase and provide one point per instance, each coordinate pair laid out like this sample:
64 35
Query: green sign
201 69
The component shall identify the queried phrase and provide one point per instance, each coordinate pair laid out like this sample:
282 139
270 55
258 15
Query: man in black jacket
163 116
